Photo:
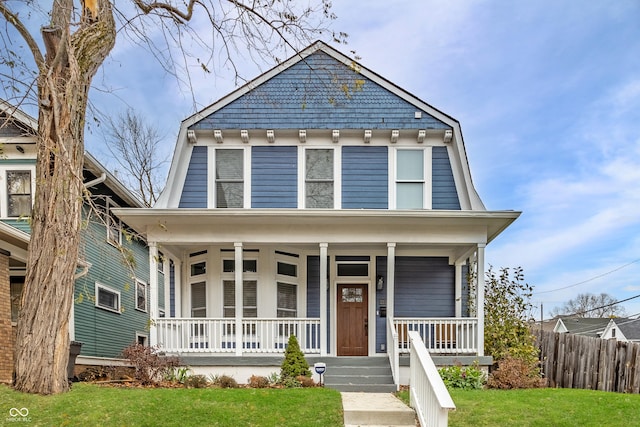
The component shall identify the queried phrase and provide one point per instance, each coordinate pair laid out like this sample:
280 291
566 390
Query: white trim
99 286
146 295
211 177
4 191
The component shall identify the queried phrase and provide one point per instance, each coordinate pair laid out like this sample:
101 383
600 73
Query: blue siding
313 293
365 183
274 177
319 93
381 322
445 195
172 289
313 286
194 192
424 287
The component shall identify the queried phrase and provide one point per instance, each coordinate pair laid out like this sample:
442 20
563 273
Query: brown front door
352 320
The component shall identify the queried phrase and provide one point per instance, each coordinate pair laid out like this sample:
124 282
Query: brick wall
7 333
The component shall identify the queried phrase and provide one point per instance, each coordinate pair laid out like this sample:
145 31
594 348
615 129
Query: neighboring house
622 329
319 200
591 327
111 307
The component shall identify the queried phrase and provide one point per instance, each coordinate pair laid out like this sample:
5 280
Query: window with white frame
249 298
410 179
107 298
19 195
229 178
114 225
141 295
287 300
199 299
319 179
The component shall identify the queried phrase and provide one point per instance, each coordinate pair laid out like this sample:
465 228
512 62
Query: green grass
542 407
93 405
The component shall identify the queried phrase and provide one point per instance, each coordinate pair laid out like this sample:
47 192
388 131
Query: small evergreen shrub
466 378
290 382
148 365
514 373
294 363
258 382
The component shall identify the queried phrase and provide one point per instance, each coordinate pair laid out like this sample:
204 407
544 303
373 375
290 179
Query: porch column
480 296
391 275
323 299
239 300
458 287
153 292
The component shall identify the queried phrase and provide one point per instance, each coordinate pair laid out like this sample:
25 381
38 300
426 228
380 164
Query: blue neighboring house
111 309
319 200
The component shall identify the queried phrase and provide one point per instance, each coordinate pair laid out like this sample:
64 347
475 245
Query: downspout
96 181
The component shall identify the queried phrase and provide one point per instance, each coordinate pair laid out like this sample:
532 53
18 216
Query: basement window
107 298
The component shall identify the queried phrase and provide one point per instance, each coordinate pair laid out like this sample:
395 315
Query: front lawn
542 407
94 405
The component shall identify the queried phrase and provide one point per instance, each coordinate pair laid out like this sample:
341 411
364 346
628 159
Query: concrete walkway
376 409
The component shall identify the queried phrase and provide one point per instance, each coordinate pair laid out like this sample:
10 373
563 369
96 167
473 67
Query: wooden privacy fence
575 361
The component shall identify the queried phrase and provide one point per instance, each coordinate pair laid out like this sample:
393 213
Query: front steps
357 374
376 409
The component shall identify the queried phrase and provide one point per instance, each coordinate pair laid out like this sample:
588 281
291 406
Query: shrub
179 374
516 372
290 382
305 381
149 366
466 378
294 363
225 381
258 382
196 381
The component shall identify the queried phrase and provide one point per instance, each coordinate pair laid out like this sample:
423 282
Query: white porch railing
394 355
428 394
204 335
449 335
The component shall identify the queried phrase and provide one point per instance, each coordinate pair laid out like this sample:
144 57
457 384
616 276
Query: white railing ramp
429 396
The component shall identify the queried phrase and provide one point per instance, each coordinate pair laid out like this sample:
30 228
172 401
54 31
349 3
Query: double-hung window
410 179
18 193
249 290
141 295
319 179
229 178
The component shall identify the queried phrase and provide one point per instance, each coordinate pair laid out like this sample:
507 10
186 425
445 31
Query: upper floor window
18 193
114 225
229 178
410 179
319 180
141 295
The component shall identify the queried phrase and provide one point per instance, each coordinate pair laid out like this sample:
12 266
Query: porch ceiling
200 226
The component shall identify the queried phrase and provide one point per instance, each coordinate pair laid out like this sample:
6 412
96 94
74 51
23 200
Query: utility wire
589 280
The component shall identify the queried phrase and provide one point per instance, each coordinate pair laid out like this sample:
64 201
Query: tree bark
42 346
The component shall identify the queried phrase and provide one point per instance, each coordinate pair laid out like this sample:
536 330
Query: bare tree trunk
42 347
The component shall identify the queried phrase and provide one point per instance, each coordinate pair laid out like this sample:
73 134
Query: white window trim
146 295
4 194
109 218
344 279
198 278
231 275
145 336
337 175
426 179
211 176
111 290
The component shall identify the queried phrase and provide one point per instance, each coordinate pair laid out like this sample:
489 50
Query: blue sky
548 97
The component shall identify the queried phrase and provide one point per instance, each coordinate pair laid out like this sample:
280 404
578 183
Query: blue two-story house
319 200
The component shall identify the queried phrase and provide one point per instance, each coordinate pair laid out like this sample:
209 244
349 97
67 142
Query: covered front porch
345 283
